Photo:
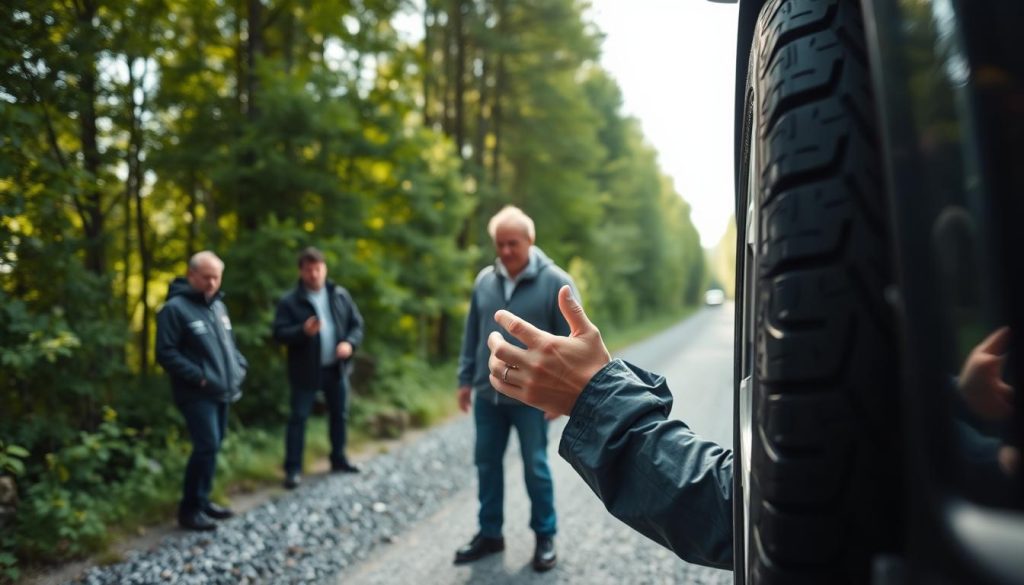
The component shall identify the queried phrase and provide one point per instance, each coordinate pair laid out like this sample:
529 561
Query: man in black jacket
196 347
322 328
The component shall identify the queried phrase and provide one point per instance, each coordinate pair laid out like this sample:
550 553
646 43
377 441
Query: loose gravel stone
329 524
315 531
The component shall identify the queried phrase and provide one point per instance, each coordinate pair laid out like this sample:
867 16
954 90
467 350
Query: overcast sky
674 60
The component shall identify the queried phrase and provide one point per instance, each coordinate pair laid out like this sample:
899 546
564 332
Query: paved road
594 548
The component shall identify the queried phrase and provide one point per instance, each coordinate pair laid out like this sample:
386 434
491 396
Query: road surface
593 547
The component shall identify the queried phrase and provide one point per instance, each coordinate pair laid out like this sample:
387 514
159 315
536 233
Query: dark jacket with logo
535 300
194 343
304 350
652 473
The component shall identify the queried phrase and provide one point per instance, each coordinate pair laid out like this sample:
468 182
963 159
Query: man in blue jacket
524 280
196 348
322 327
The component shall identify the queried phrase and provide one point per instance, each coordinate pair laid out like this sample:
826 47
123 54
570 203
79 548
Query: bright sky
675 63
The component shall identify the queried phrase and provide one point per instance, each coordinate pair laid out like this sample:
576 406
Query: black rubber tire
824 482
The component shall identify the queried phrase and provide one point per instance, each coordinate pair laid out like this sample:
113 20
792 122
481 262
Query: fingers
521 330
506 389
573 312
502 370
996 343
504 350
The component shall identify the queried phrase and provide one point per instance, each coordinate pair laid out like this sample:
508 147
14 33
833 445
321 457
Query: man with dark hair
322 327
196 348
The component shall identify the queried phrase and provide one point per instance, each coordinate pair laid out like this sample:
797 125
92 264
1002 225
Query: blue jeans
493 424
207 422
335 389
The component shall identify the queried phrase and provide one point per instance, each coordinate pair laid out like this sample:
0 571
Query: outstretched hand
552 371
981 382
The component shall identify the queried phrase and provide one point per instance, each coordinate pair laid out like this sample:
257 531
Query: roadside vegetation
137 133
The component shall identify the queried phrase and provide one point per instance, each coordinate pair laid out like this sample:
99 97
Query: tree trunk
248 206
93 219
136 181
446 86
459 123
499 92
193 210
428 61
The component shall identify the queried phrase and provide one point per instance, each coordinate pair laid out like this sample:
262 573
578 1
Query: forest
134 133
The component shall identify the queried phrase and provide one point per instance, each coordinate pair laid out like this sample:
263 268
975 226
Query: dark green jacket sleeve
652 473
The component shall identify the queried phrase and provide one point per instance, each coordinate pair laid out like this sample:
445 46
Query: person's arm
652 473
355 322
287 329
169 332
470 342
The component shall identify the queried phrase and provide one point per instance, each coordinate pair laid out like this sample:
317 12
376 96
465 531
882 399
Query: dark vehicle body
880 206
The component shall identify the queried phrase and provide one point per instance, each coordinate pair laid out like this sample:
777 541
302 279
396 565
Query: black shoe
197 521
544 557
344 467
218 512
478 548
292 481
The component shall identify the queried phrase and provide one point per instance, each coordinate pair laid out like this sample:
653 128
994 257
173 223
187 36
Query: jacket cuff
594 393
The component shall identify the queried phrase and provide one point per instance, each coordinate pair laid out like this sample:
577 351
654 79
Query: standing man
322 328
196 348
525 281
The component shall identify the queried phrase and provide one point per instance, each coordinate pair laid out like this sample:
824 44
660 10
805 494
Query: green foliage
12 459
423 392
134 134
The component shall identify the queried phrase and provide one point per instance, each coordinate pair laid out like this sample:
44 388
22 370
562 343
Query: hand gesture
981 382
552 371
311 327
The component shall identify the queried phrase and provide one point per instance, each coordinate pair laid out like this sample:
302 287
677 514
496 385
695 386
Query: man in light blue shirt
322 327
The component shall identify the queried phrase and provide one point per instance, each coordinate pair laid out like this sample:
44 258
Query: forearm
168 354
654 474
286 329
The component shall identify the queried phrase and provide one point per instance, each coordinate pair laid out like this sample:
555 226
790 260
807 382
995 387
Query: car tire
817 483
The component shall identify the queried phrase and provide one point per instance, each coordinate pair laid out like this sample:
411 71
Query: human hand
465 398
981 383
1009 459
311 327
344 350
552 371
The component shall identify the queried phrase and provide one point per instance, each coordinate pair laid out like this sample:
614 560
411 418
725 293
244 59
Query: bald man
196 348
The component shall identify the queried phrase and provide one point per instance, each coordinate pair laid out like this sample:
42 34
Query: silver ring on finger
504 376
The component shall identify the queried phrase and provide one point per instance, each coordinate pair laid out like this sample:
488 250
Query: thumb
573 312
